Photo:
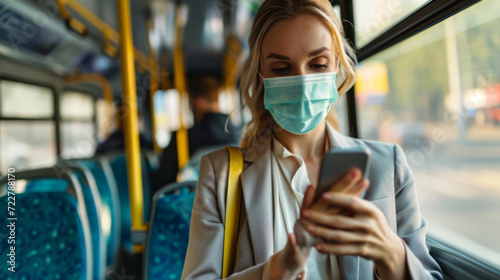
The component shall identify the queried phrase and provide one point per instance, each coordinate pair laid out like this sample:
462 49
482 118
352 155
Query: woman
296 49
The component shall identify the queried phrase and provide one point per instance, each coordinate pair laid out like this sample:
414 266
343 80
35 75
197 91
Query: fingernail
311 228
354 173
327 195
306 214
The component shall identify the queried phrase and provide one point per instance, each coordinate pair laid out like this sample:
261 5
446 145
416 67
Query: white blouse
290 180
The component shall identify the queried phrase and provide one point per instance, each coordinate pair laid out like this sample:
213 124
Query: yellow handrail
73 23
107 91
232 61
131 127
180 85
108 32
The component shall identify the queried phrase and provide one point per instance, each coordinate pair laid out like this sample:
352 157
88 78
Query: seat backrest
52 236
168 234
92 201
93 205
110 208
49 238
119 166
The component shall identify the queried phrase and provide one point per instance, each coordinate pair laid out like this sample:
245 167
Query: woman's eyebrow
278 56
318 51
282 57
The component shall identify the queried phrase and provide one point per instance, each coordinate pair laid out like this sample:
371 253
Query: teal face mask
299 103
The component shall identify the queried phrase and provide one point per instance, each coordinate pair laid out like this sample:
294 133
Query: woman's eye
280 70
319 66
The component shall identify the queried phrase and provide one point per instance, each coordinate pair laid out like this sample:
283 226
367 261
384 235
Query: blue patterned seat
110 210
168 234
119 166
92 205
49 238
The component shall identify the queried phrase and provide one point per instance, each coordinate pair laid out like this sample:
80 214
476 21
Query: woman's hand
351 183
291 261
364 233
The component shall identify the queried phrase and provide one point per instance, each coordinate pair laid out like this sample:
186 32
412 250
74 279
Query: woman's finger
344 185
350 202
308 197
360 187
337 236
335 221
362 250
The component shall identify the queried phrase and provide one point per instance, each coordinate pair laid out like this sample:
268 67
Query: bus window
167 112
437 95
27 130
20 100
374 17
77 127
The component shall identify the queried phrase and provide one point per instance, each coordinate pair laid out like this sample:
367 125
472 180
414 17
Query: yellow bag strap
233 201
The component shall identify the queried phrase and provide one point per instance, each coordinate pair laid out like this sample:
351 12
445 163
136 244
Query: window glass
75 105
373 17
78 139
27 144
167 111
437 95
20 100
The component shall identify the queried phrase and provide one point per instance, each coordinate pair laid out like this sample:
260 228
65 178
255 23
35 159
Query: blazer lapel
257 195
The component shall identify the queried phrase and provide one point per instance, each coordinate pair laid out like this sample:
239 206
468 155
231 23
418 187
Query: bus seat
168 234
92 205
119 166
52 235
110 214
47 185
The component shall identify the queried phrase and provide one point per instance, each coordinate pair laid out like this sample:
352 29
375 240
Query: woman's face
298 46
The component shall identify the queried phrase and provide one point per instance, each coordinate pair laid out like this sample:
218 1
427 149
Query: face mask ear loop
271 153
261 78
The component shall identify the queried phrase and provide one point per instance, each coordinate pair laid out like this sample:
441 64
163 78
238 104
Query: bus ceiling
80 37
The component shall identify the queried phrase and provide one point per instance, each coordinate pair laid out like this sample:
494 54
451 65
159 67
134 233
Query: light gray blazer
392 189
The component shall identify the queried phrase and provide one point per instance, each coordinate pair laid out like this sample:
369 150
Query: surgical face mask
299 103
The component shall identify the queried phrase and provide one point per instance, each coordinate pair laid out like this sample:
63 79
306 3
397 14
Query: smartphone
337 162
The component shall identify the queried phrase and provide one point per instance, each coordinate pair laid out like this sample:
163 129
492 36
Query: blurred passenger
211 128
116 141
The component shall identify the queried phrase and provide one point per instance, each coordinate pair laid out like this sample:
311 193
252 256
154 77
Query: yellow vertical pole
131 129
180 85
154 85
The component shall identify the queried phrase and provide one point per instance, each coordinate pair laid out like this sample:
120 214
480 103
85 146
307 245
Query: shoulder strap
233 201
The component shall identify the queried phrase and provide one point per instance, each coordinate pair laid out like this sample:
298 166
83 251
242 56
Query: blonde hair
271 12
